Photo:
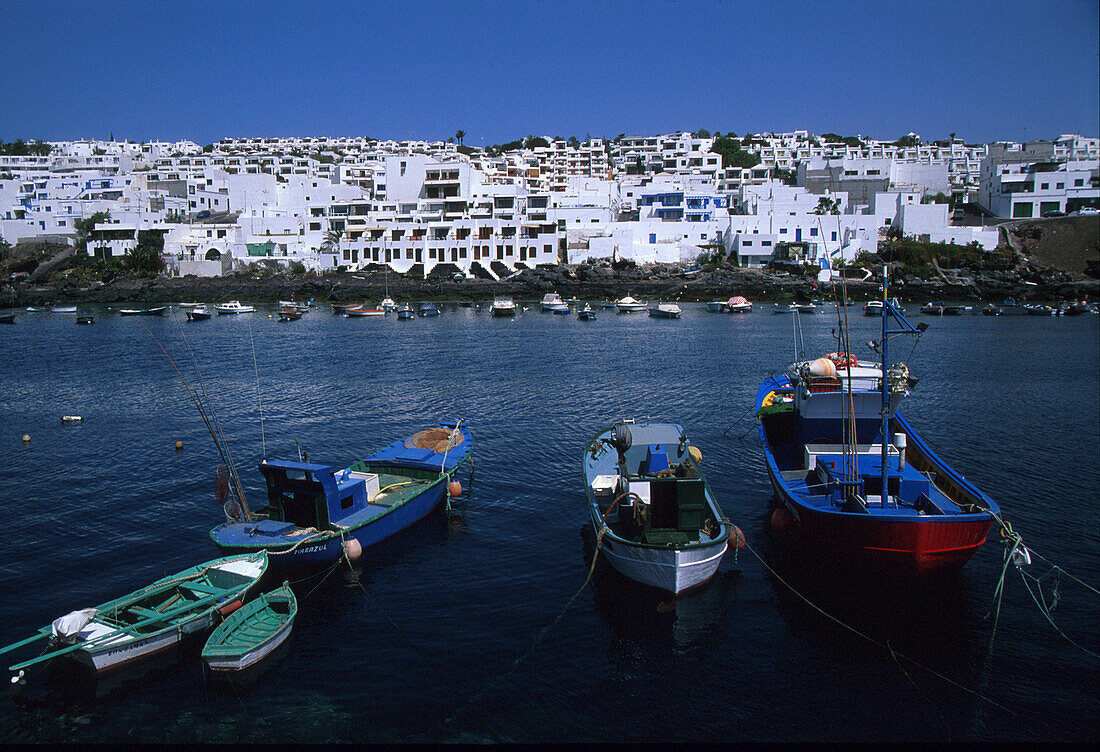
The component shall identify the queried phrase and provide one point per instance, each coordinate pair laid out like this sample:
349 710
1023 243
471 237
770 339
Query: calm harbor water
436 634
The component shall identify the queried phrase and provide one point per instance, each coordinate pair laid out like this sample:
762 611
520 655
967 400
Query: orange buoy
454 488
781 520
179 445
736 538
352 549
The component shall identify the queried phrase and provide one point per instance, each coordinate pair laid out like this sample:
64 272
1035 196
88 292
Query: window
1044 186
652 237
1077 183
813 232
765 243
1022 210
1060 186
402 168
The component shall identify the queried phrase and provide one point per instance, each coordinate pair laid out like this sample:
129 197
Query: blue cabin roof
400 455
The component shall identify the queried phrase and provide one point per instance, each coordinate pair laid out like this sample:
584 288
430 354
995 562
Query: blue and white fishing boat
552 302
658 521
315 513
427 310
860 486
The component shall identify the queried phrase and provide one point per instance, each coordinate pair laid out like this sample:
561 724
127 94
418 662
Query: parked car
1054 213
1088 210
203 214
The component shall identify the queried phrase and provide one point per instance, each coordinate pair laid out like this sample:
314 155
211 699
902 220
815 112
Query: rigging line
256 368
545 630
1046 613
867 637
223 450
191 394
927 699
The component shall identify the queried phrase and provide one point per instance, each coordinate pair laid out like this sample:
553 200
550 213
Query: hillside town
422 208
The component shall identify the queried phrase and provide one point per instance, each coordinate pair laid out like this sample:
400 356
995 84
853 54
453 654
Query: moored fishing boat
300 307
405 313
553 302
84 317
289 314
63 309
7 318
630 304
314 511
427 310
738 304
717 306
503 307
252 632
363 312
233 306
587 313
664 311
199 313
650 506
860 485
158 311
150 620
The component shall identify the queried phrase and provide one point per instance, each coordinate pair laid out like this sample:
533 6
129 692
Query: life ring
843 360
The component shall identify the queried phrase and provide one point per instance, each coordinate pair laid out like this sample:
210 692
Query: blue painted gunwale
894 540
327 546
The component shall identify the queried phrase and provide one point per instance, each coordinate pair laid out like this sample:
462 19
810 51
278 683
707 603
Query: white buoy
71 418
26 438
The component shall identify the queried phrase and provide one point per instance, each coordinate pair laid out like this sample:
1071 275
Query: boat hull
674 570
326 547
915 548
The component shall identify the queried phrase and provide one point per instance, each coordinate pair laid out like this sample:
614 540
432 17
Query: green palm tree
332 241
459 135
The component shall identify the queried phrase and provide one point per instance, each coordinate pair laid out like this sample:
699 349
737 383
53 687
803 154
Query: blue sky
501 70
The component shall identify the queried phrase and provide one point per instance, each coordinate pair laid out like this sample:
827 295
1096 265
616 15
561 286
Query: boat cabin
311 495
662 499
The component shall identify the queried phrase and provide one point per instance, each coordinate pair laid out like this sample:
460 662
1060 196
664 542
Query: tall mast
885 386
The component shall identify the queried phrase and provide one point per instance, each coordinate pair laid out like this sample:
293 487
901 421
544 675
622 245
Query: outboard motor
621 439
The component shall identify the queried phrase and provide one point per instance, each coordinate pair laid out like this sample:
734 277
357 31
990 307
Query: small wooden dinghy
252 632
150 620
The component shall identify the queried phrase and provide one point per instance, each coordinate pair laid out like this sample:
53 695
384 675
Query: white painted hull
668 569
254 656
112 653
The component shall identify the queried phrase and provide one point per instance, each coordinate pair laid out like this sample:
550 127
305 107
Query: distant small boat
665 311
151 620
85 318
252 632
387 304
872 308
717 306
189 305
465 304
628 304
65 309
201 313
142 311
7 318
503 307
36 309
587 313
609 304
360 312
427 310
738 304
300 307
1037 309
405 313
993 310
289 314
1079 308
553 302
233 306
339 309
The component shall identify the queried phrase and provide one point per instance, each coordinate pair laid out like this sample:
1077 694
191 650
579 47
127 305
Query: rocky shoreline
586 282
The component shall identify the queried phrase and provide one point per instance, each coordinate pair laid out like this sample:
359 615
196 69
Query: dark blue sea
478 625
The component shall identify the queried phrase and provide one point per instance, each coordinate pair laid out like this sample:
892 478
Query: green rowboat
252 632
150 620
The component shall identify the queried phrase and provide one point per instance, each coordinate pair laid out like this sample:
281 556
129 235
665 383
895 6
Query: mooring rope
867 637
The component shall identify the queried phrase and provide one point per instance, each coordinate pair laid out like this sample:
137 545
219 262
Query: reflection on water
645 614
438 614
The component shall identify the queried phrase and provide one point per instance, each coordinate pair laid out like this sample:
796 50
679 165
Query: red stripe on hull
916 547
